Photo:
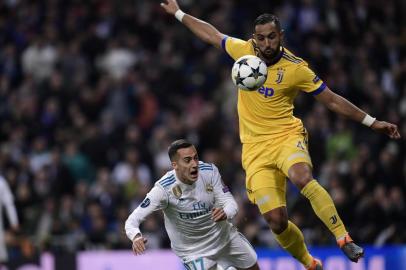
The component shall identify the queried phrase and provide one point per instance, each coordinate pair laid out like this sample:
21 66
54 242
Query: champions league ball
249 72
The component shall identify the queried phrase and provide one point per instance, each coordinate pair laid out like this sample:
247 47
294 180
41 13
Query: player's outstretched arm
203 30
156 199
342 106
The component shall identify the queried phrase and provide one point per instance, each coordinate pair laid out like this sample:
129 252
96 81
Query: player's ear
174 164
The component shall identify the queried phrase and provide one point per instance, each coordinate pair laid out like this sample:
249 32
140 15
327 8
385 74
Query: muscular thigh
268 198
265 183
292 150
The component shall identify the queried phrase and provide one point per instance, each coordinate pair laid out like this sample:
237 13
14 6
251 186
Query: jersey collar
277 58
273 61
184 185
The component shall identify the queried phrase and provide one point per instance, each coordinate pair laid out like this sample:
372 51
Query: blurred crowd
92 93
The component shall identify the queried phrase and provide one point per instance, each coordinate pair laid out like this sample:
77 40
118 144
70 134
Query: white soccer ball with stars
249 72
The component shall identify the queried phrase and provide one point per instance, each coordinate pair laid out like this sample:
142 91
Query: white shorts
237 253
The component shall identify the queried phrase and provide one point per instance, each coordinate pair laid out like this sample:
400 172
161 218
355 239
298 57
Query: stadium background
92 93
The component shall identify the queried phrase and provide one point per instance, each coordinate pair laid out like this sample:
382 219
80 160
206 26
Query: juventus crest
279 75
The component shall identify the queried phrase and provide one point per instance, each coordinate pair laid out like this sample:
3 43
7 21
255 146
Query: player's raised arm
203 30
342 106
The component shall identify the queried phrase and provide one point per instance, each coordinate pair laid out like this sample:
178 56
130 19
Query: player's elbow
127 226
333 106
212 36
332 102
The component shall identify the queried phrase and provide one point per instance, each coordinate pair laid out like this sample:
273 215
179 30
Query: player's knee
300 174
279 226
277 219
303 181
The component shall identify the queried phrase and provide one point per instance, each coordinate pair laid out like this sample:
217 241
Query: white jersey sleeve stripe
167 181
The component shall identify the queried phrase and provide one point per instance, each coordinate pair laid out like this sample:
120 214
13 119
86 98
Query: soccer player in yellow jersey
274 141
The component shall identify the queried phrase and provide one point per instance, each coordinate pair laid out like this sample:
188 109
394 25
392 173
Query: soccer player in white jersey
6 200
196 206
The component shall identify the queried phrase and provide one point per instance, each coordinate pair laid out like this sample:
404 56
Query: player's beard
269 54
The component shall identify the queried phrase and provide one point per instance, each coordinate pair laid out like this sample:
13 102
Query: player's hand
389 129
218 214
139 244
170 6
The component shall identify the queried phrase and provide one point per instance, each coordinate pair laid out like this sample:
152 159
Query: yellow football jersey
267 113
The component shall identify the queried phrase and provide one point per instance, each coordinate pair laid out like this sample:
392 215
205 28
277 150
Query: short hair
267 18
176 145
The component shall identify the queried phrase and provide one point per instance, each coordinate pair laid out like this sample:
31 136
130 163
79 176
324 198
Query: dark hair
176 145
267 18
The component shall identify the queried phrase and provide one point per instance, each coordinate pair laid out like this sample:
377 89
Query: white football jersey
187 212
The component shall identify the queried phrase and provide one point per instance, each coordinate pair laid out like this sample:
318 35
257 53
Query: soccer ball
249 72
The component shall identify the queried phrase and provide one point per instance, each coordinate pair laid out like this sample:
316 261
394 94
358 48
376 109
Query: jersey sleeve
236 47
156 199
223 196
308 81
7 200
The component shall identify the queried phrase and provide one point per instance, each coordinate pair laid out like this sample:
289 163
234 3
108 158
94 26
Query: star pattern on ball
255 73
238 79
243 62
249 73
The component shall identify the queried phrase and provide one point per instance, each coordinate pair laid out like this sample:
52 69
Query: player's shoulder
167 180
206 167
208 172
236 47
237 41
292 59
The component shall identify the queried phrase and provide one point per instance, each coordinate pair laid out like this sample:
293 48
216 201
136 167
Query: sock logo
333 219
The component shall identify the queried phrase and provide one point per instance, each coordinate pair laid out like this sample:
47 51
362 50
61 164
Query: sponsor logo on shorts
297 155
263 200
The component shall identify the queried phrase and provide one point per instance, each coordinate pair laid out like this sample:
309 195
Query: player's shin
292 240
324 208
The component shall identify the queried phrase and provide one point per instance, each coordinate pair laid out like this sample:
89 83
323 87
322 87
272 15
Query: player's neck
185 181
275 59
